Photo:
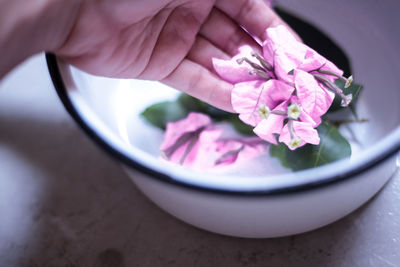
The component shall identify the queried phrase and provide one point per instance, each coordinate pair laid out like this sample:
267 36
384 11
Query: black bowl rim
61 90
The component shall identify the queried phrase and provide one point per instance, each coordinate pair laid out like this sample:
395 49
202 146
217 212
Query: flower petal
281 38
231 151
314 99
175 130
304 117
284 50
199 157
249 97
267 128
302 130
233 72
312 61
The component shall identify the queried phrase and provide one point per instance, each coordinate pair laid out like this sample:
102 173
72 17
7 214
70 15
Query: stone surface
63 202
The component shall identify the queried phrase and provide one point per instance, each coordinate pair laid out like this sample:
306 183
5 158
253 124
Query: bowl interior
368 32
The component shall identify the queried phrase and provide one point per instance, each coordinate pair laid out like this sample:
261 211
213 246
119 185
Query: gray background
63 202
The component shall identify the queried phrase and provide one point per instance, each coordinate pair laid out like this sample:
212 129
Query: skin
171 41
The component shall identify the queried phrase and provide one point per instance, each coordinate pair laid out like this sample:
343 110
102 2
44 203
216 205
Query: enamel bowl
260 198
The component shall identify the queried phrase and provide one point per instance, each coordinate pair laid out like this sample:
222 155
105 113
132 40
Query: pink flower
273 124
315 99
231 150
236 70
194 142
248 98
296 134
289 82
288 54
183 138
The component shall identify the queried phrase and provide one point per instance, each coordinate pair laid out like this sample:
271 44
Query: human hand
171 41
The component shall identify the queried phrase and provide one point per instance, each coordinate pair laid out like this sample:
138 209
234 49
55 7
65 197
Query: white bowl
253 201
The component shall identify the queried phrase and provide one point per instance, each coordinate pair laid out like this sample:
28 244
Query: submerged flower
233 150
196 143
183 138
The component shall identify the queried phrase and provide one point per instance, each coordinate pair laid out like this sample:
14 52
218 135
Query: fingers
203 51
254 15
197 81
226 34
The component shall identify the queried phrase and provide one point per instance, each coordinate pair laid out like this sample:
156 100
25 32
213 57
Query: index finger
254 15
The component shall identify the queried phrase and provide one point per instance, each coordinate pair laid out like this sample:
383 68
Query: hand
171 41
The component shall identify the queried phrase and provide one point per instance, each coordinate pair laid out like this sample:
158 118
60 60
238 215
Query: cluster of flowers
285 91
282 93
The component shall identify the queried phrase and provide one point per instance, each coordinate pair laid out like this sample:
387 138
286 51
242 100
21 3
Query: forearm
29 27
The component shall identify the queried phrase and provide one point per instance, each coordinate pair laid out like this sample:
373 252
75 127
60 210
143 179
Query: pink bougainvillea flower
303 116
315 100
250 98
288 82
272 124
234 150
236 69
289 54
195 142
182 137
175 130
296 134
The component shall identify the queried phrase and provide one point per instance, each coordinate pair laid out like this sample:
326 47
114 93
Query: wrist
29 27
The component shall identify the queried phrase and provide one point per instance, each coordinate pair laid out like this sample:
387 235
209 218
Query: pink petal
314 99
233 72
304 117
284 64
248 97
198 154
267 128
284 50
302 130
281 38
191 123
231 151
278 91
312 61
200 157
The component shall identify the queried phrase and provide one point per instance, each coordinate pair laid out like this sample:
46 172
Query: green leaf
240 126
354 89
333 146
190 103
160 114
193 104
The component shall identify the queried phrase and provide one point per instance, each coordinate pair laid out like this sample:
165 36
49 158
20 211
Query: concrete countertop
63 202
